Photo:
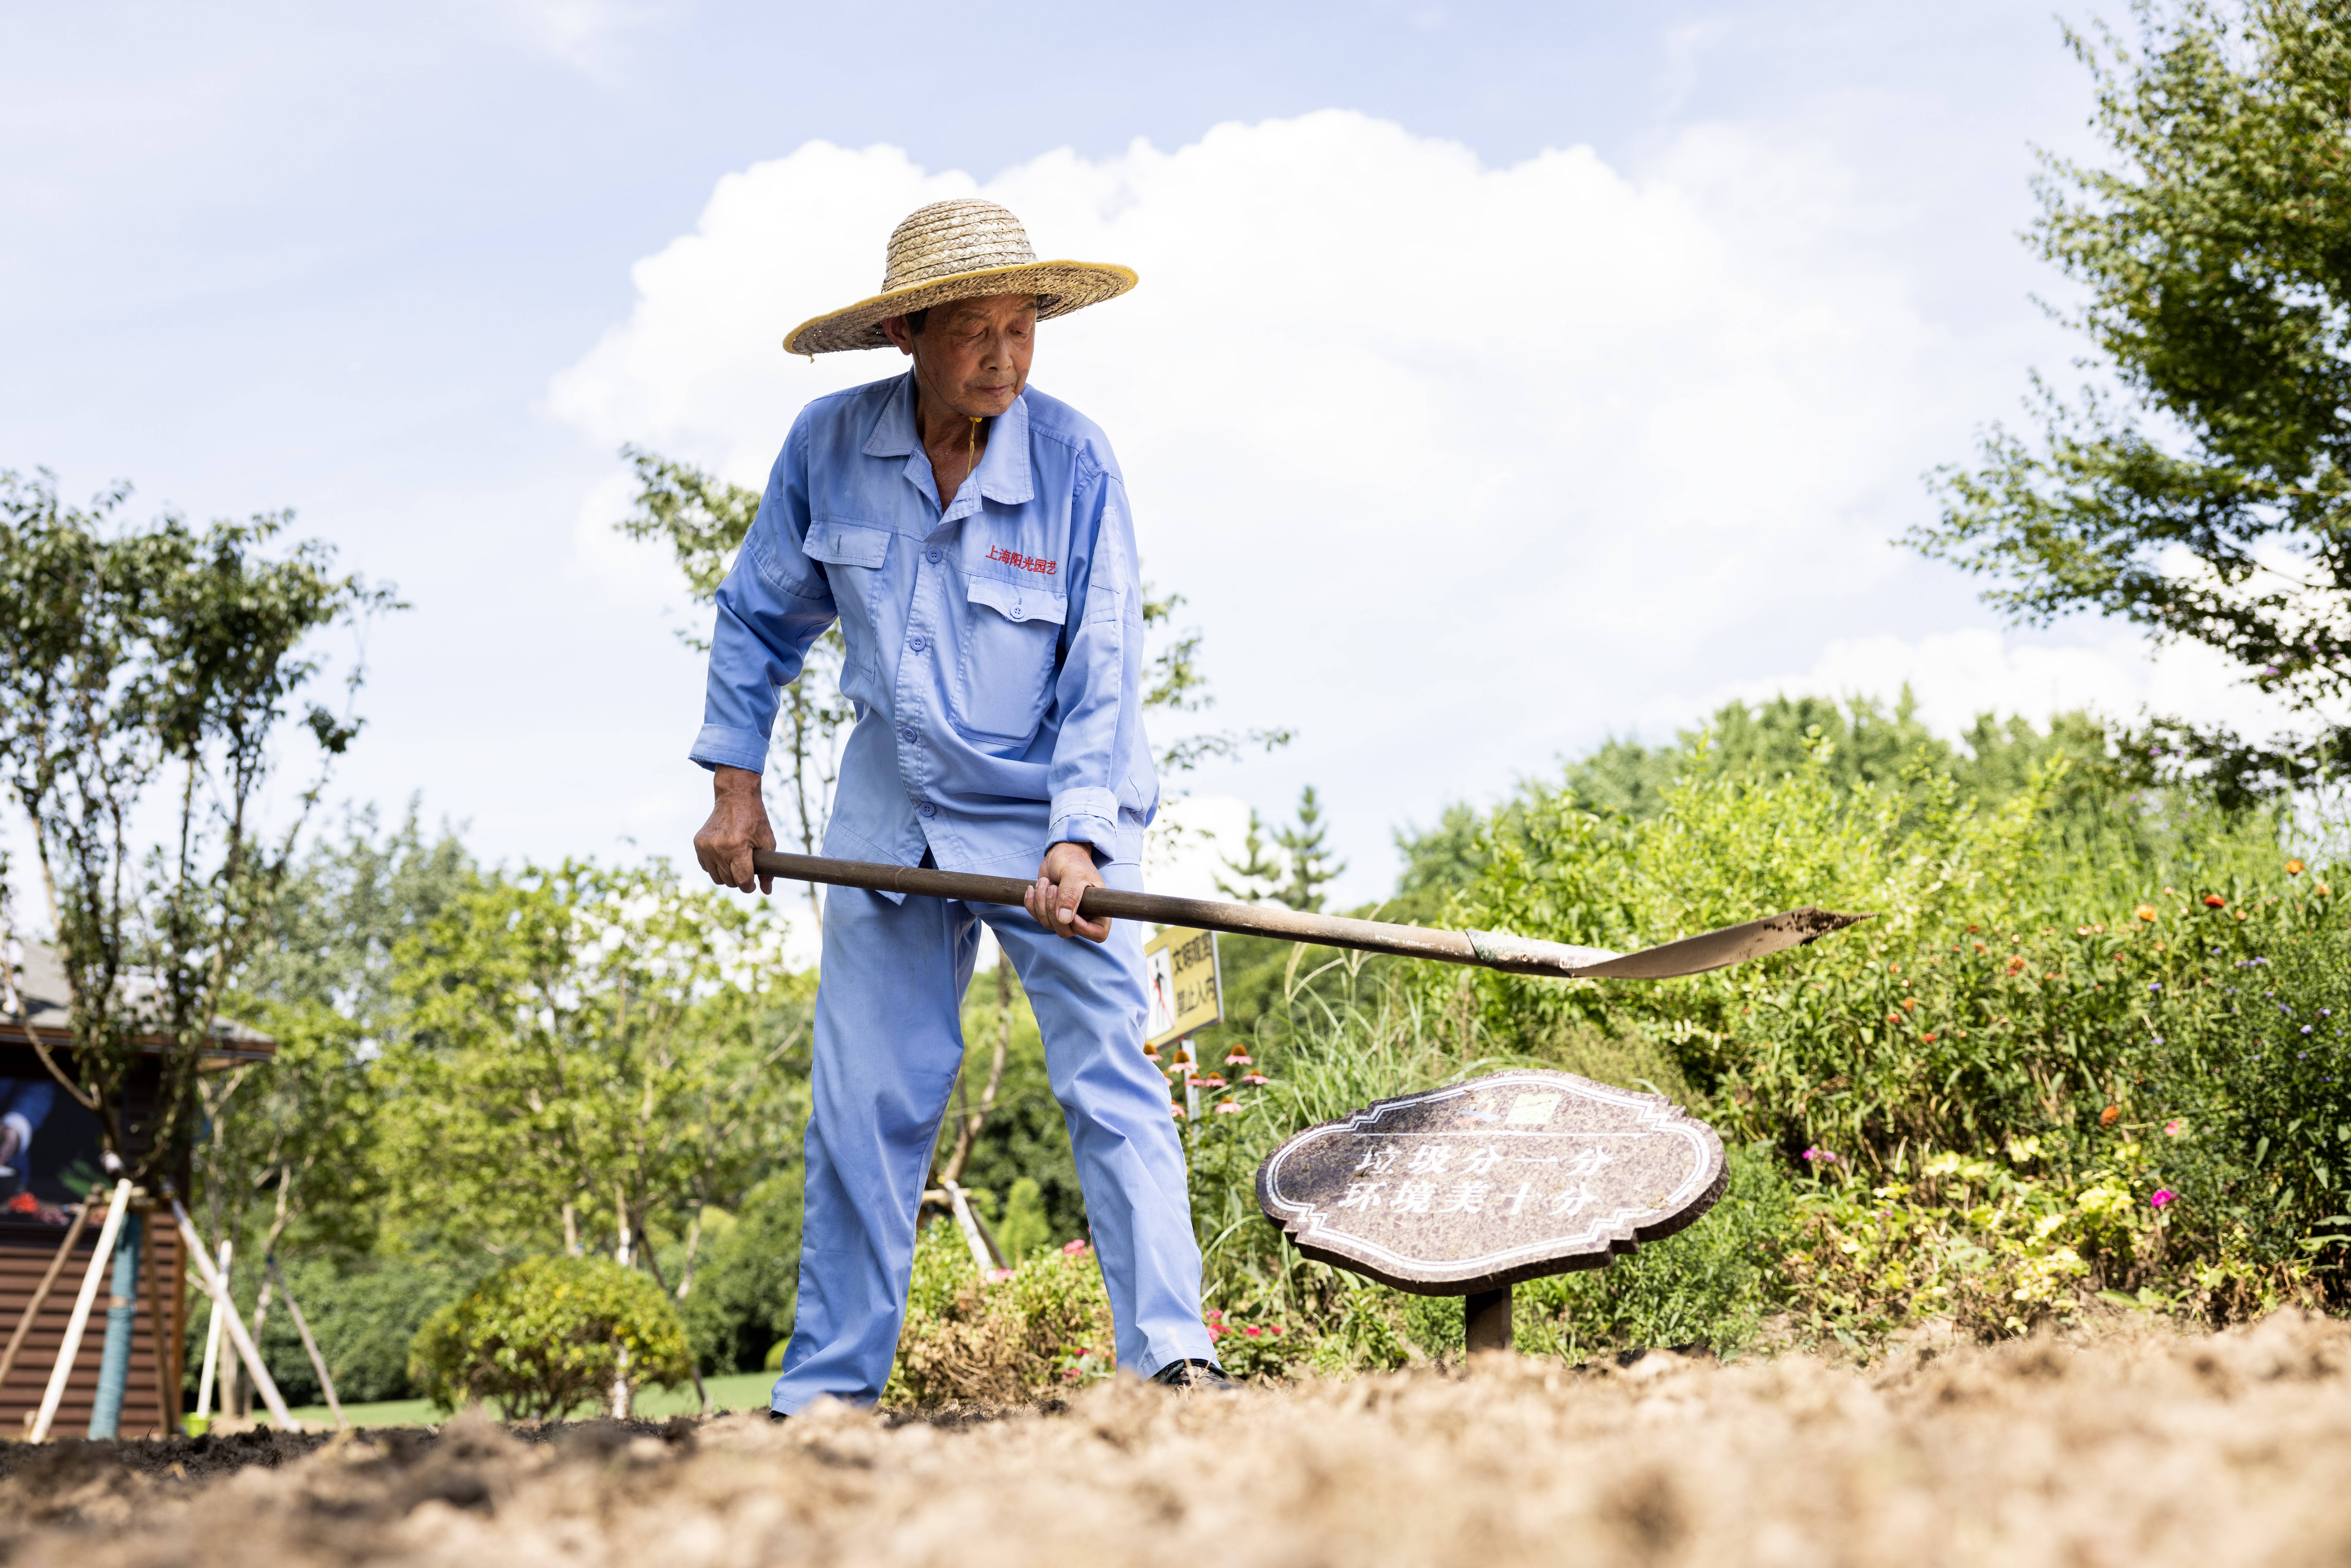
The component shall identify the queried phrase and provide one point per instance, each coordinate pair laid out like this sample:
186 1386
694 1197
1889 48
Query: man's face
972 355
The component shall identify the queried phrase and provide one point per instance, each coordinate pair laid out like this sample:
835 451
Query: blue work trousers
888 1044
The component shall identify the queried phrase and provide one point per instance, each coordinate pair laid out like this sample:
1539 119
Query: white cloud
586 35
1459 465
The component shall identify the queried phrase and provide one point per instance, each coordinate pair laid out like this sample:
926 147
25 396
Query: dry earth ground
2140 1448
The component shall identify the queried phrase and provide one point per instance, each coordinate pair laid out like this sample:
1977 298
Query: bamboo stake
99 1261
211 1339
246 1350
981 1253
41 1294
318 1362
1486 949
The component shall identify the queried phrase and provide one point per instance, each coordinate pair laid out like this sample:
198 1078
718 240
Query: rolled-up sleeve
1100 689
773 604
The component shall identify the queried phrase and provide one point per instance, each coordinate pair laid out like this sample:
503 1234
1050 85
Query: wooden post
318 1362
1486 1319
99 1261
247 1352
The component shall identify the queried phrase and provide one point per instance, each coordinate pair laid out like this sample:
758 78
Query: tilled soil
2139 1449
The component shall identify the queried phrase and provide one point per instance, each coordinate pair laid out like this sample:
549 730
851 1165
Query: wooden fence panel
150 1404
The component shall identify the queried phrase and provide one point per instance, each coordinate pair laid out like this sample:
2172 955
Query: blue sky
381 265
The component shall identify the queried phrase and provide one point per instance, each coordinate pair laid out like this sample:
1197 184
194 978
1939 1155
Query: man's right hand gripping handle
738 825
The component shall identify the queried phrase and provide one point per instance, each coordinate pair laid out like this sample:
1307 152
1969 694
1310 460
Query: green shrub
1025 1230
2249 1122
747 1278
1709 1285
363 1310
547 1336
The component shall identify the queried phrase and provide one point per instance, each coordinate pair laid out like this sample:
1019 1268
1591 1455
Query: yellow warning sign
1180 969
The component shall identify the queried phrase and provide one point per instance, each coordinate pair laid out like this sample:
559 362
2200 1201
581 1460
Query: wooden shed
58 1169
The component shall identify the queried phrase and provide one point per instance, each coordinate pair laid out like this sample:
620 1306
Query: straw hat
957 250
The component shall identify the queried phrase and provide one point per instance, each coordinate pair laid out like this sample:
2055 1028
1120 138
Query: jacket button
927 809
933 557
906 733
915 643
1018 613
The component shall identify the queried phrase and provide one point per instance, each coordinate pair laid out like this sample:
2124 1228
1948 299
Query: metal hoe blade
1688 956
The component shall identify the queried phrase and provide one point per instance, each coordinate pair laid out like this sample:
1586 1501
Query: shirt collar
1004 471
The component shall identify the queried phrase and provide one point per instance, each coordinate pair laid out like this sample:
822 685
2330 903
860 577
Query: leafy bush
2254 1143
1024 1229
748 1277
1018 1333
1709 1285
547 1336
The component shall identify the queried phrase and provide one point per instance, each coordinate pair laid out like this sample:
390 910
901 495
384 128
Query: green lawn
731 1391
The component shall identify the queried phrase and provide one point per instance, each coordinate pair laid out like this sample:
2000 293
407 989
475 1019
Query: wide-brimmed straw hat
958 250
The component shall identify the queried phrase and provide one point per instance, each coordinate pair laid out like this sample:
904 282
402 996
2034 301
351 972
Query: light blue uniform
995 657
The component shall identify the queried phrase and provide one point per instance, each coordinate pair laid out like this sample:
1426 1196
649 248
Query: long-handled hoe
1486 949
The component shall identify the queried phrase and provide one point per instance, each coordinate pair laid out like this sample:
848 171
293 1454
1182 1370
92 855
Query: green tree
2206 496
286 1144
1257 874
143 660
1312 867
588 1054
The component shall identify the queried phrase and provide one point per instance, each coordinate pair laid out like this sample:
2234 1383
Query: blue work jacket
994 645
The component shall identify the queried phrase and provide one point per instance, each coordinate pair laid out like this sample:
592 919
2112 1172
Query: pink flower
1273 1327
997 1276
2163 1195
1253 1332
1823 1155
1074 1249
2175 1128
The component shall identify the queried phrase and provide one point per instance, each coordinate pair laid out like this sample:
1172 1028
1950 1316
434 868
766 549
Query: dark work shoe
1195 1377
777 1416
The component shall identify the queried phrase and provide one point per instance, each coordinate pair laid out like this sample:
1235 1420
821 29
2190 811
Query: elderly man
971 535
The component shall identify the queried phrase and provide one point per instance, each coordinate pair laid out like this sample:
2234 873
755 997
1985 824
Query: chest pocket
1004 676
846 544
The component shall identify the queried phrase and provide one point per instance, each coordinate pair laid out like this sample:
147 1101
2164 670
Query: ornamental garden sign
1468 1189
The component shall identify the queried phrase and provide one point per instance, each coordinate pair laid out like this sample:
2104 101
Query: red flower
2107 1117
2214 901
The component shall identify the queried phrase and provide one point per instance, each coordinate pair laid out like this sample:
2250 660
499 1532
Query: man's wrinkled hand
738 825
1062 881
